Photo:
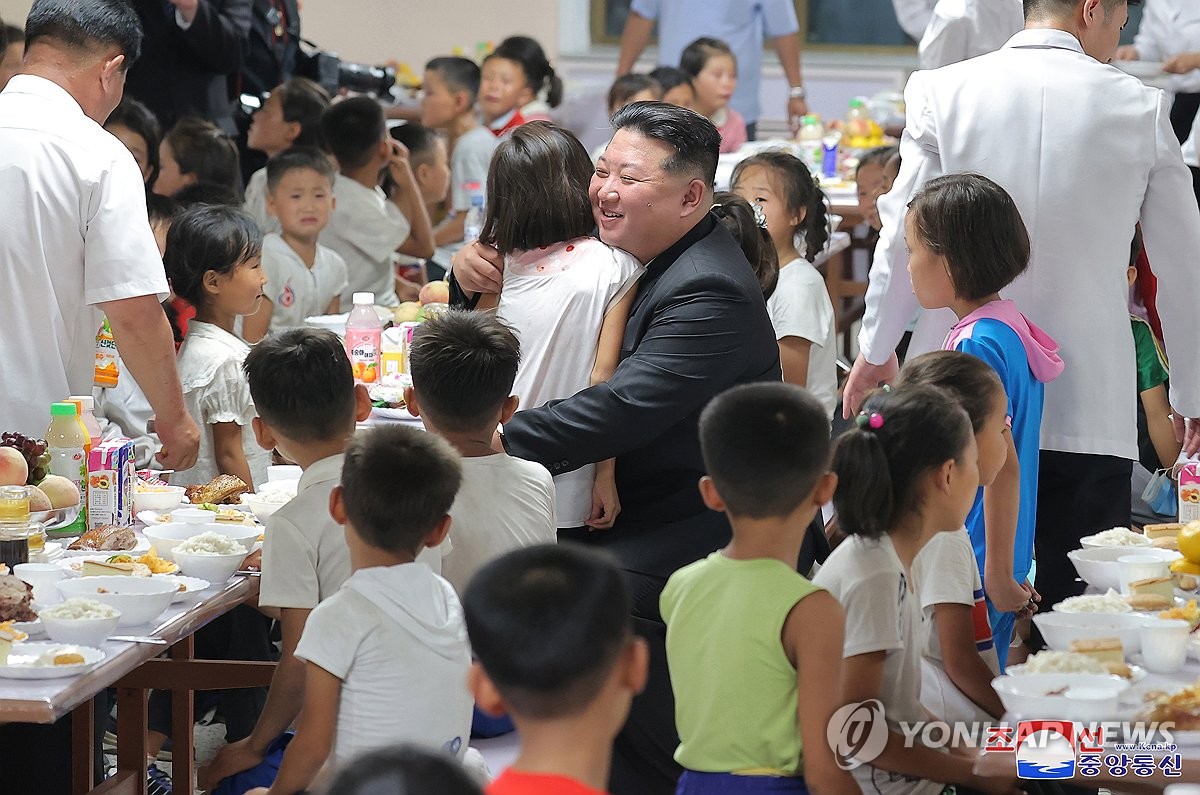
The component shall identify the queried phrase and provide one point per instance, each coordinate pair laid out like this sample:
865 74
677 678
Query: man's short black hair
353 129
302 384
1066 6
87 25
418 139
460 74
377 461
695 140
11 34
765 446
547 624
975 225
463 368
296 158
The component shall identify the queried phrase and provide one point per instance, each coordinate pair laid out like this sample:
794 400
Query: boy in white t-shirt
307 405
463 368
304 278
387 655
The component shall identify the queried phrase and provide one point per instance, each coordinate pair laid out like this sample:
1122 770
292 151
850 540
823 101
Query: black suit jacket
698 326
269 60
185 72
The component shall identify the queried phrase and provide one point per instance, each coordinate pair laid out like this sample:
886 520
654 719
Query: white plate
1137 673
194 585
151 518
69 564
23 654
140 548
31 628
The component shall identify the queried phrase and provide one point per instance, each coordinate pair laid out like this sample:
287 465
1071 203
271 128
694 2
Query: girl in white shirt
566 294
793 209
906 473
214 261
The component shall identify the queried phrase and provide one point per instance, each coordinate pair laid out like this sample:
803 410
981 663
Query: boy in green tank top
746 633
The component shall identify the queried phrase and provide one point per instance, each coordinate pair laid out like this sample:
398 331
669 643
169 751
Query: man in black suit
192 48
698 326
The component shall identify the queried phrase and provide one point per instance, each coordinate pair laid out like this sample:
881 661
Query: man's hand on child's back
479 268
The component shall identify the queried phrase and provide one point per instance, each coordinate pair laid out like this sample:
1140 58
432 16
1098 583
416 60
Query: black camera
334 74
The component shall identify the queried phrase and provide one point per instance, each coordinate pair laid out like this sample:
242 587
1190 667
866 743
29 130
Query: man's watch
797 92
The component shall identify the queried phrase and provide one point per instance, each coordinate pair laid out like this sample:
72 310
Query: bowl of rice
167 537
140 599
1108 602
1060 629
1057 662
1116 537
210 556
1067 696
80 621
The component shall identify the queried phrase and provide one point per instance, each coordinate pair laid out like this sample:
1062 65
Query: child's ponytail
745 222
815 225
899 436
554 87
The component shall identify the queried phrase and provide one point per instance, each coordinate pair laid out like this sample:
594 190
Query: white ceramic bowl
80 631
1088 697
140 599
1098 567
1059 629
214 568
261 508
166 498
1087 542
165 537
191 516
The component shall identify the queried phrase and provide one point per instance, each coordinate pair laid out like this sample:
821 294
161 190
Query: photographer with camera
192 49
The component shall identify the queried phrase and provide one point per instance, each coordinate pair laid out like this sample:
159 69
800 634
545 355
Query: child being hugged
960 660
387 654
713 69
967 242
513 78
214 261
566 294
907 472
304 278
793 209
753 647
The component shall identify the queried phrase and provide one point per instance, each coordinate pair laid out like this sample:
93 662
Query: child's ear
211 281
945 474
637 665
362 403
337 505
410 401
509 408
710 495
263 434
438 534
271 205
826 486
487 697
463 102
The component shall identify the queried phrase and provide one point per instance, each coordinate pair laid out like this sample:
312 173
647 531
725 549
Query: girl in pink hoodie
967 242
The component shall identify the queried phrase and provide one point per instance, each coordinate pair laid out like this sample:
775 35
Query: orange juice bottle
107 369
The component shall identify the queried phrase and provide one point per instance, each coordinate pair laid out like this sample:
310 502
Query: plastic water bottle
364 332
473 223
811 133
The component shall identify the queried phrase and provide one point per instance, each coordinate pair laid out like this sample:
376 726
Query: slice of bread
1104 650
1149 602
100 568
1169 530
1160 586
1166 542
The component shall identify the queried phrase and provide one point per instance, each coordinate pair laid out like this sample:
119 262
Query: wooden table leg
82 747
182 720
131 735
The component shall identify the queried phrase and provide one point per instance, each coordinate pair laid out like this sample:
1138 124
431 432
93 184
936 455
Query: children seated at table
566 294
960 659
677 86
307 405
451 87
304 278
196 152
214 262
290 116
430 161
368 227
135 125
555 649
907 471
463 368
793 209
387 655
968 242
754 648
513 78
713 68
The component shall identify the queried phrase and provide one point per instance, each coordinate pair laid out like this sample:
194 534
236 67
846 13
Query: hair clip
886 388
760 217
874 420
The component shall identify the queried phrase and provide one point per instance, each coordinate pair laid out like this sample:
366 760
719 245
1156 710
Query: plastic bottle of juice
66 442
364 331
811 133
107 369
86 406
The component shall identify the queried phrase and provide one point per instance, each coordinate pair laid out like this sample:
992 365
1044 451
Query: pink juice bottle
364 331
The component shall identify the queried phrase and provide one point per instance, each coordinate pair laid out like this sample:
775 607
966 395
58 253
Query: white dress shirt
962 29
1082 172
1170 28
914 16
73 234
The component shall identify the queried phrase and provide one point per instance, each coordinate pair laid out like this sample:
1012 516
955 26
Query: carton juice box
111 477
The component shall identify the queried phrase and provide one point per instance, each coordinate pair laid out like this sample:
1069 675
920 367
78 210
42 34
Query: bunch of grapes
34 451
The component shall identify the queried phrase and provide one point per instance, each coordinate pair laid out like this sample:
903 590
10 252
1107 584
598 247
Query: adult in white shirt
962 29
914 16
75 241
1170 33
1096 169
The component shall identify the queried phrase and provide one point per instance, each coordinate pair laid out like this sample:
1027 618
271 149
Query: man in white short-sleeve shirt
75 241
